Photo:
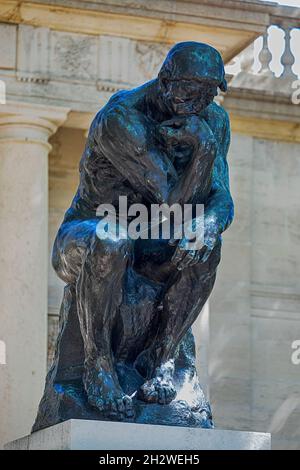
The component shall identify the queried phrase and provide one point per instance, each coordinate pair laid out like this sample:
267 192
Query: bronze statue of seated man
125 342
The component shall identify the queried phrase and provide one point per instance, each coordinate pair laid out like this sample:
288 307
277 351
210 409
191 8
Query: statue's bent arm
122 135
220 204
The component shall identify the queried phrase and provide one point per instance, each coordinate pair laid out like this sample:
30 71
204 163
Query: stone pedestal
105 435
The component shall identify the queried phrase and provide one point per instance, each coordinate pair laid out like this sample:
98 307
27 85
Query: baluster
287 58
265 57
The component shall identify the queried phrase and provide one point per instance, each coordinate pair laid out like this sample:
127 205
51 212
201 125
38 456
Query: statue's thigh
71 244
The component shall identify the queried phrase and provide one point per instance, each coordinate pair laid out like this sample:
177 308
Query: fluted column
24 133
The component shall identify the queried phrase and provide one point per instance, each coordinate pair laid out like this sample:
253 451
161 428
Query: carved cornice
76 70
228 29
263 114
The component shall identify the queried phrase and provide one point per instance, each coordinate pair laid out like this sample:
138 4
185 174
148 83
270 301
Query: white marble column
24 133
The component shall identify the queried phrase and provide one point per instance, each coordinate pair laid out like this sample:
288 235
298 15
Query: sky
292 3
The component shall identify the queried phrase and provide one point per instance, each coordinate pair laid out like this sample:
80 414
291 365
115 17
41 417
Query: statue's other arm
218 210
123 135
219 206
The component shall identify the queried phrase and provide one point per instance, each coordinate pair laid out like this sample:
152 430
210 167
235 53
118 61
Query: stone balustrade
258 58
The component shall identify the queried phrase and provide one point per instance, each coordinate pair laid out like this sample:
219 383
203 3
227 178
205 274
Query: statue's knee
113 249
67 259
107 255
56 260
60 267
215 257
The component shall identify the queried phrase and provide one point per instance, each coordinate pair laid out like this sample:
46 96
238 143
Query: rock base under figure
65 397
70 401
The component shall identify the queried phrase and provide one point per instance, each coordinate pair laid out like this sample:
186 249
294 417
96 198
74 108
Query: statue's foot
161 388
103 393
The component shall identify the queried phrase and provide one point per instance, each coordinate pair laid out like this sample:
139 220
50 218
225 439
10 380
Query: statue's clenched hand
191 130
191 146
184 257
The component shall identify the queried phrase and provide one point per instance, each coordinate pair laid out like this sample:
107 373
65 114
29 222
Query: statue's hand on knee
185 256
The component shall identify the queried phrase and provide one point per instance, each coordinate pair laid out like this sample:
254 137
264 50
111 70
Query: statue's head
190 77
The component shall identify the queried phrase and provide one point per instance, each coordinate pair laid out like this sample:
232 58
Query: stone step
78 434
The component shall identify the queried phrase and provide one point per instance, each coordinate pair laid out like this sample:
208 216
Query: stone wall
255 306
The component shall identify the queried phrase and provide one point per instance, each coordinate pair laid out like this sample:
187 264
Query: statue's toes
154 391
96 402
128 407
166 393
125 406
148 393
115 407
121 407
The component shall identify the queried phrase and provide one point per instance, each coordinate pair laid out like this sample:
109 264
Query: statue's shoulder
218 116
120 98
127 99
116 100
122 103
218 120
